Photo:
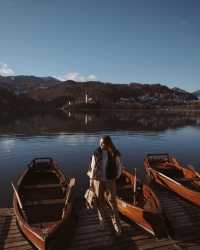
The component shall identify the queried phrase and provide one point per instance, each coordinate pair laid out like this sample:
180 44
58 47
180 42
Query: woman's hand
91 184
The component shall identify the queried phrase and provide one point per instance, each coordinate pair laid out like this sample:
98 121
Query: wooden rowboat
168 172
138 202
42 201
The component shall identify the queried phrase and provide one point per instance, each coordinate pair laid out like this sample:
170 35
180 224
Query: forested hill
45 89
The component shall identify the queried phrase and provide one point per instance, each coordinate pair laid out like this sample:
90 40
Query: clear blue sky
115 40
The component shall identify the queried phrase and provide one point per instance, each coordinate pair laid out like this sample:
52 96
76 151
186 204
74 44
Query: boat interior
167 169
125 191
43 195
165 166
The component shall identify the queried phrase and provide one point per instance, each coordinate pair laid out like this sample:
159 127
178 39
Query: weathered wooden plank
8 225
152 244
10 236
5 221
86 237
44 186
44 202
169 247
14 244
17 237
6 235
194 247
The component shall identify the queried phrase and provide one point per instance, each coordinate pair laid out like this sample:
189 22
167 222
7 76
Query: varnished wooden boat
138 202
168 172
42 201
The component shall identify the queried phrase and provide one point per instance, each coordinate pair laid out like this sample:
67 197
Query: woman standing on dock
105 168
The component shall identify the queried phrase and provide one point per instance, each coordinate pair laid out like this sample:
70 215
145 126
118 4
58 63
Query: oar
70 185
17 196
193 169
134 188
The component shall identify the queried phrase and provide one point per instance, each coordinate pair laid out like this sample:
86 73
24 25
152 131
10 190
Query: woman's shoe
118 230
101 226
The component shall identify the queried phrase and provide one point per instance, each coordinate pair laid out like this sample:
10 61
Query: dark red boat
137 201
168 172
42 201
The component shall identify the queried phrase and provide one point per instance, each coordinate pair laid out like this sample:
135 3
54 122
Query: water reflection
99 121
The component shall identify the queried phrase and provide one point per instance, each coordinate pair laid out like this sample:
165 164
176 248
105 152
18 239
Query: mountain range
197 94
47 90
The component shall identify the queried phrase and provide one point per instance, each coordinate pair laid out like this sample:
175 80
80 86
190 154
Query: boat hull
142 218
34 237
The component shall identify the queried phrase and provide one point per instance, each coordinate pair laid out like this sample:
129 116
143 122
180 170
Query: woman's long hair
111 147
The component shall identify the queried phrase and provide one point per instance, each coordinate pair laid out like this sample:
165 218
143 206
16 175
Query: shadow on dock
182 218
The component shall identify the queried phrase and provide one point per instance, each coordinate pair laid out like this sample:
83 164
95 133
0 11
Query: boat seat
44 171
44 202
45 224
195 178
42 186
125 187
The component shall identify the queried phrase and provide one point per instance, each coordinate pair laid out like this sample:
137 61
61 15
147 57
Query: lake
70 139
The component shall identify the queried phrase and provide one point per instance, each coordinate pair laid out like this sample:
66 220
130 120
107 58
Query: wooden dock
183 222
10 235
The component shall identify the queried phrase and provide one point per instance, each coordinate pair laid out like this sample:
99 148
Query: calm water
71 138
